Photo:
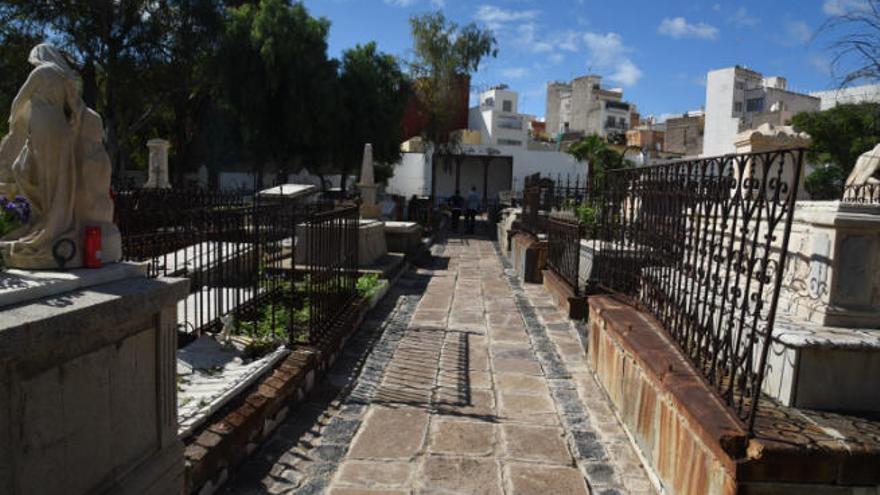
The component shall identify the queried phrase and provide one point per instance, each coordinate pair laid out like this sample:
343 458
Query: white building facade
498 120
855 94
739 99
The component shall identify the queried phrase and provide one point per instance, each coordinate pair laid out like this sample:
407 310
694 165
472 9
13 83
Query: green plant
368 284
589 218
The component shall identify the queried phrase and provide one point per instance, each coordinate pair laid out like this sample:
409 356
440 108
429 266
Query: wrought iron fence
564 234
543 195
701 245
240 256
332 264
868 194
568 192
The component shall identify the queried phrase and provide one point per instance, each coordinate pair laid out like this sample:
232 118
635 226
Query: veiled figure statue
54 157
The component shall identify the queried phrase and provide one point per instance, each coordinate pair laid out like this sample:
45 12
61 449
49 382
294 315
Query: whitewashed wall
413 174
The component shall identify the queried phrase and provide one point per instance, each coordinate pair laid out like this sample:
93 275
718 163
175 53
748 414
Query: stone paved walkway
463 381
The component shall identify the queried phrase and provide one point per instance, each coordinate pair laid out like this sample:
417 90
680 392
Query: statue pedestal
17 286
87 384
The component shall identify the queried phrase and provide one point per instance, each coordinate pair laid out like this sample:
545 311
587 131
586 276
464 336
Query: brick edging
226 441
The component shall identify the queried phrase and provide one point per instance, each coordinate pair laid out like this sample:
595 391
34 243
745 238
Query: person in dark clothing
473 207
456 204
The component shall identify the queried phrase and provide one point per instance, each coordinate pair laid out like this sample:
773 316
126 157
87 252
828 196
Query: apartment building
584 106
739 99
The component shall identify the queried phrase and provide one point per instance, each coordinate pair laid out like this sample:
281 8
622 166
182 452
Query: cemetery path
462 381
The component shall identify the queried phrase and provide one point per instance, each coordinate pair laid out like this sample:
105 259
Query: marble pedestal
832 274
88 398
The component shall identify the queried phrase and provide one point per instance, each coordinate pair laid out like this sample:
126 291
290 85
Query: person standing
473 206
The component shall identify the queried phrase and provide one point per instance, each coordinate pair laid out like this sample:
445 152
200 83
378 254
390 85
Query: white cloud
494 16
607 52
841 7
438 4
679 28
796 33
556 58
626 73
531 40
742 18
514 72
401 3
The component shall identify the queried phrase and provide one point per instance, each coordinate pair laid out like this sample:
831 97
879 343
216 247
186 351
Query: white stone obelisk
367 186
158 168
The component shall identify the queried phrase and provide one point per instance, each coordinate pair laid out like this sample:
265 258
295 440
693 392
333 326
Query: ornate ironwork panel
868 194
701 245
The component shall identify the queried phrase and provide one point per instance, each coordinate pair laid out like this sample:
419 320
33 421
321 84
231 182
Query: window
755 105
740 85
610 122
511 142
506 106
509 123
621 122
489 102
617 105
738 106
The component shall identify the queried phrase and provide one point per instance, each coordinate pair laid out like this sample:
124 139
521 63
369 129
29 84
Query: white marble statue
54 157
866 170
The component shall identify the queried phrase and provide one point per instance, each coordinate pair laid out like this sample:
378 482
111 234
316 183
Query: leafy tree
116 43
445 54
374 95
194 28
279 83
16 40
840 135
825 182
599 157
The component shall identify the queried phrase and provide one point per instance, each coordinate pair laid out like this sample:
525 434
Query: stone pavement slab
474 384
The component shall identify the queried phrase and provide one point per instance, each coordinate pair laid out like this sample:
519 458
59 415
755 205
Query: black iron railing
543 195
701 245
867 194
564 248
240 256
331 240
568 192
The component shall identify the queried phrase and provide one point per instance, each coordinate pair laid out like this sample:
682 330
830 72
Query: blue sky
658 51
